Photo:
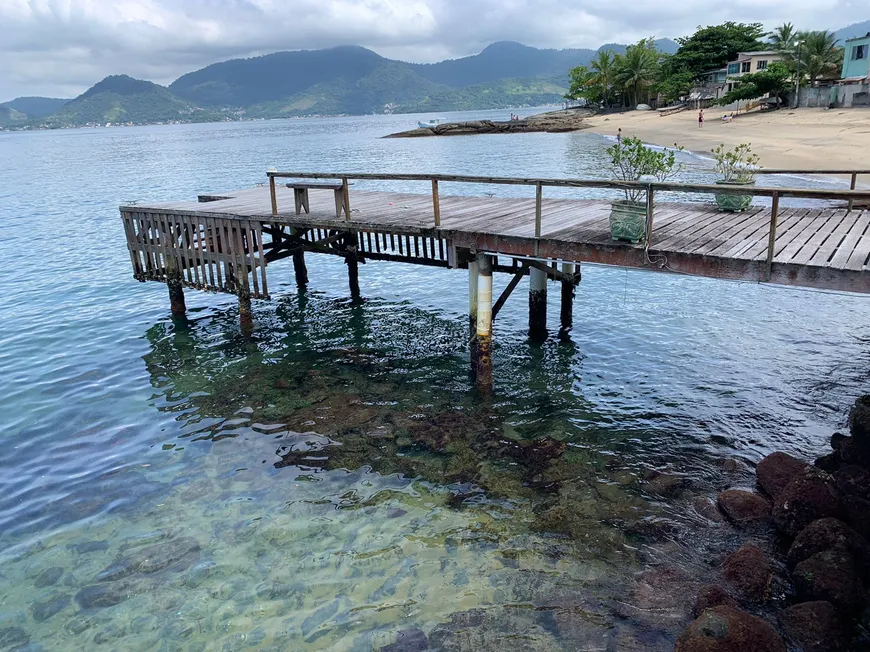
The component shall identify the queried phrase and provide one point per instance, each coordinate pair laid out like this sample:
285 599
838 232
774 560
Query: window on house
859 52
761 65
746 66
733 68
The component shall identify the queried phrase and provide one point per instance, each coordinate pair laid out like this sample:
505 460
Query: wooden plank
826 251
846 247
819 237
860 254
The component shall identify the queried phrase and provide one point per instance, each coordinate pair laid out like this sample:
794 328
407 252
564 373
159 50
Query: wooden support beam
555 274
650 208
484 324
174 281
511 286
352 265
345 193
771 241
472 299
852 187
537 305
246 315
273 195
436 202
539 194
566 312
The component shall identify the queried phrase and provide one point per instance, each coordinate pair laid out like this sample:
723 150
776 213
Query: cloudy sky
61 47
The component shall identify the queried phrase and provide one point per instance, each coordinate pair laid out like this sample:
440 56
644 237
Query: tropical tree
637 68
782 38
714 46
580 86
819 55
604 72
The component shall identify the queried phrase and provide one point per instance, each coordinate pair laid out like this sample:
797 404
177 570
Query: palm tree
604 71
819 55
637 67
782 38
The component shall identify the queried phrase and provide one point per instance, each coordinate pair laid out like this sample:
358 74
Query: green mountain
10 117
490 95
121 99
36 107
853 31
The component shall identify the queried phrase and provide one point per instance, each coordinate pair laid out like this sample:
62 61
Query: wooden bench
300 195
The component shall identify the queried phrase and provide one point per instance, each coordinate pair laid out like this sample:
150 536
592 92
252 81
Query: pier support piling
484 323
472 298
352 265
537 305
300 269
246 315
566 313
176 288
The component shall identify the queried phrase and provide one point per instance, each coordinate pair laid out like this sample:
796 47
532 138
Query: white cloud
61 47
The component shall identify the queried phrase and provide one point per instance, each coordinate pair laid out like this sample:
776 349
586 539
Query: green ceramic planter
733 203
628 221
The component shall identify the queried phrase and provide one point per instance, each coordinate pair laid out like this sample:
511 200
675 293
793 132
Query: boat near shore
431 124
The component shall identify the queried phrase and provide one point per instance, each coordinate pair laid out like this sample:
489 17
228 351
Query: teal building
856 58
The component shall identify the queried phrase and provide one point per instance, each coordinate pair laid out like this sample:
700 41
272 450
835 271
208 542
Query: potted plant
737 168
631 160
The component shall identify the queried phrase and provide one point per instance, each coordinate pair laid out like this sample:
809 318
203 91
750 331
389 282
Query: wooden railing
649 187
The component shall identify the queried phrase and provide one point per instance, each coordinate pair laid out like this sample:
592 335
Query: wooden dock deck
225 241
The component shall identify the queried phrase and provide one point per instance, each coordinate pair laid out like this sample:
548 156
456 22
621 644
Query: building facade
856 59
748 63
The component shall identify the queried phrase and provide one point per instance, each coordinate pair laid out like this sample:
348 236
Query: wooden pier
225 242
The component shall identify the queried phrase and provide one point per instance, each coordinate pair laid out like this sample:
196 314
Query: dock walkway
225 241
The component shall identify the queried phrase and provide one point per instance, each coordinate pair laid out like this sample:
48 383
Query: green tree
782 38
819 55
579 77
604 72
775 80
637 68
714 46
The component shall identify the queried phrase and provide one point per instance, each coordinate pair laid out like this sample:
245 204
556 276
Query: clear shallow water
156 492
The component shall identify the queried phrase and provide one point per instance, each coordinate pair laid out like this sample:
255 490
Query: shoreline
788 138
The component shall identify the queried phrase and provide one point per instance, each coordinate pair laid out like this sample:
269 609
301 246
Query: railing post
771 243
852 187
649 214
539 194
273 195
436 202
345 192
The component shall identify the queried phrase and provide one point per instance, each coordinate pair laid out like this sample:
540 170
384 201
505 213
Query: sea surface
333 482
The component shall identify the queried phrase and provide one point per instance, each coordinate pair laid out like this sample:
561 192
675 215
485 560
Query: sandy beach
798 139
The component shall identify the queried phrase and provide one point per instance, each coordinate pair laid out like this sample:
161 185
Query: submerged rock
86 547
811 495
825 534
100 596
776 470
725 629
707 508
712 595
48 577
853 481
408 640
13 638
814 627
177 554
744 508
45 609
831 576
749 572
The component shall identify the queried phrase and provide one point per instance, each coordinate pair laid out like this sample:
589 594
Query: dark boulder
831 576
748 571
45 609
776 470
408 640
712 595
814 627
825 534
13 638
828 463
99 596
857 514
725 629
744 508
48 577
811 495
853 480
859 419
855 452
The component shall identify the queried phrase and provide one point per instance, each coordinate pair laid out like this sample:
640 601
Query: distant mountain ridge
854 30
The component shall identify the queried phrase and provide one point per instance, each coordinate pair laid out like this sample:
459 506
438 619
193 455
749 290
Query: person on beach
619 136
700 118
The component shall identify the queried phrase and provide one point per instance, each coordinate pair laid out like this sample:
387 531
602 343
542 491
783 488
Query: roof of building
760 52
858 38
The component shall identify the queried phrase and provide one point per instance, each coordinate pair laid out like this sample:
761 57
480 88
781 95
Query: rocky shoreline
817 572
552 122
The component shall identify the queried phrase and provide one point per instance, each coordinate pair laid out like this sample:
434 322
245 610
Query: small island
552 122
